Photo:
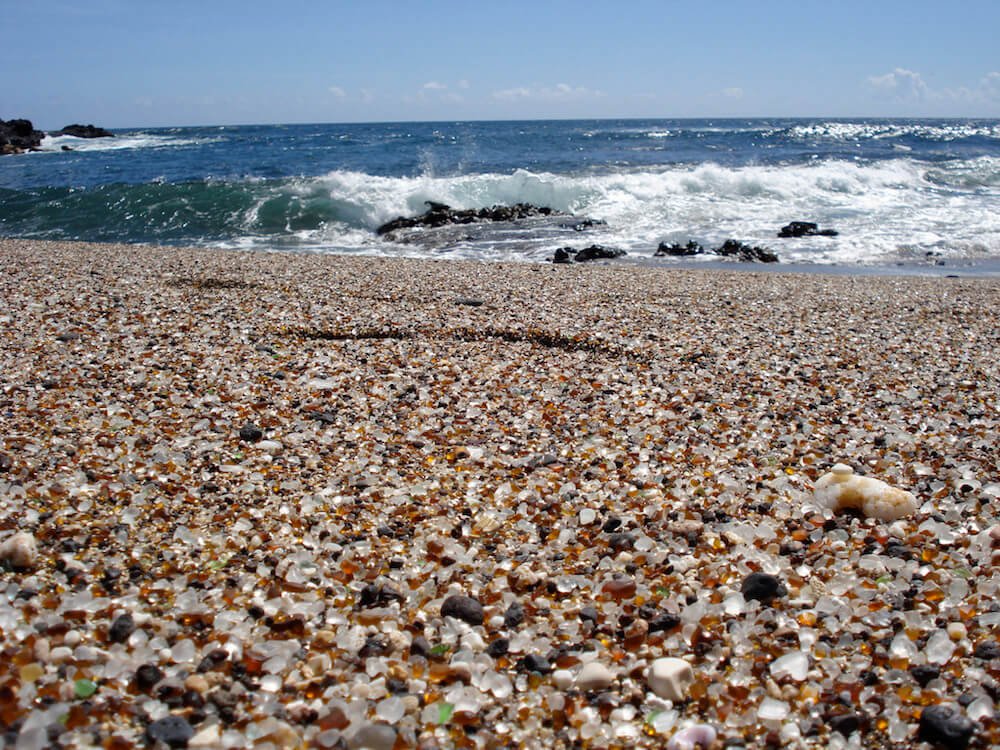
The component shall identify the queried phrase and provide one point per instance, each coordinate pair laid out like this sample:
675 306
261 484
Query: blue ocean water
896 190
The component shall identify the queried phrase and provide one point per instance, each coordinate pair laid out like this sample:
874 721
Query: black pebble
845 724
514 615
945 726
534 663
147 676
924 673
664 622
463 608
251 433
763 587
987 650
498 647
589 613
612 524
171 730
121 628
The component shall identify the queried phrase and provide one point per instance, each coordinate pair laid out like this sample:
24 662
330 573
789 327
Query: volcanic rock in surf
594 252
678 250
84 131
440 214
17 136
745 252
805 229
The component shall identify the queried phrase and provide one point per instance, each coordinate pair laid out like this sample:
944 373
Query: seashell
692 737
20 550
841 488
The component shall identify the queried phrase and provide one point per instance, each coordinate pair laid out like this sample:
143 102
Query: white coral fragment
840 489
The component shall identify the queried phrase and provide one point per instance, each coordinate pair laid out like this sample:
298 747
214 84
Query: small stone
534 663
695 736
122 627
463 608
172 730
670 678
20 550
594 676
562 679
498 648
197 683
987 650
251 433
514 615
763 587
147 676
373 737
845 724
945 726
663 622
924 673
469 301
589 614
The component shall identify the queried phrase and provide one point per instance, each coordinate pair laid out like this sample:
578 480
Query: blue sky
126 63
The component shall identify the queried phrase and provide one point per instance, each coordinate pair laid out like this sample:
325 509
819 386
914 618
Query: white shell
841 488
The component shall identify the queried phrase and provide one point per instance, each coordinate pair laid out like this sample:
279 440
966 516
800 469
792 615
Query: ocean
910 192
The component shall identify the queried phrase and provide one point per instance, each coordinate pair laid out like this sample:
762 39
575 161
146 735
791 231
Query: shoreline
257 482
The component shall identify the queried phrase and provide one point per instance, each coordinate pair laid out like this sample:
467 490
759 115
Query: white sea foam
884 211
137 140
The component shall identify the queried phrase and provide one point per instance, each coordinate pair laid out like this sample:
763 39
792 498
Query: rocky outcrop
805 229
745 252
440 214
84 131
17 136
594 252
677 250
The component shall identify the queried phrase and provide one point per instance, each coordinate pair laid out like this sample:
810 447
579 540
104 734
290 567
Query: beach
303 500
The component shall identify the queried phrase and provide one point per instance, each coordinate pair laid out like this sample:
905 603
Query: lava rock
534 663
122 627
147 676
845 724
514 615
251 433
924 673
84 131
598 252
677 250
945 726
463 608
440 214
763 587
17 136
498 648
563 255
172 730
805 229
745 252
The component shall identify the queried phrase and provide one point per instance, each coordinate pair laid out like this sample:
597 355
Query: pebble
20 550
763 587
463 608
172 730
693 737
841 489
594 676
670 678
945 726
121 628
373 737
251 433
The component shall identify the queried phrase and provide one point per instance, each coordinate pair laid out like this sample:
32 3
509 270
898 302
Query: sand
254 479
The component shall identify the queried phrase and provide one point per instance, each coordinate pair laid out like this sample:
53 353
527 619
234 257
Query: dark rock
664 622
420 647
514 615
463 608
563 255
147 676
375 595
440 214
598 252
621 541
498 647
805 229
612 524
585 224
19 135
469 302
534 663
763 587
172 730
677 250
845 724
251 433
945 726
745 252
6 463
589 614
84 131
121 628
213 660
987 650
924 673
375 645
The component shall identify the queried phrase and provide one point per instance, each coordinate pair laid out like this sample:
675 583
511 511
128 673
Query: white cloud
901 83
991 85
734 92
463 84
559 92
367 95
435 86
338 92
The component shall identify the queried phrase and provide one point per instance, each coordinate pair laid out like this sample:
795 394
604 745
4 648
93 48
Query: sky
140 63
